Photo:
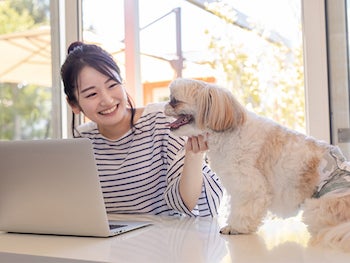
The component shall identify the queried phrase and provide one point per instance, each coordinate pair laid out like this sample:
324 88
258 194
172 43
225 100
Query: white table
173 240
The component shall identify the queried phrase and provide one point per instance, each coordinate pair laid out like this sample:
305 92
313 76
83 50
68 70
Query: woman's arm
191 180
199 184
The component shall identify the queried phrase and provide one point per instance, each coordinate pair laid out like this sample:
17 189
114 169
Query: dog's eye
173 102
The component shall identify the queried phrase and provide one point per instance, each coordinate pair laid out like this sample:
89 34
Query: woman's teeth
109 110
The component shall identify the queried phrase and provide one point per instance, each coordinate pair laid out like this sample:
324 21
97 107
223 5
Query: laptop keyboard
116 226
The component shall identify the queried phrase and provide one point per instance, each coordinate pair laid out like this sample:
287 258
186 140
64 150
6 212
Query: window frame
317 111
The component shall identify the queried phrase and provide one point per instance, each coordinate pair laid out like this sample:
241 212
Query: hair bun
74 45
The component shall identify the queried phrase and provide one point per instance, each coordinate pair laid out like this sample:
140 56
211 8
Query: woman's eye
90 95
113 85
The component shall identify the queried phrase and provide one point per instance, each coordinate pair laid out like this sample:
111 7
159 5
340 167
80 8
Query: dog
263 165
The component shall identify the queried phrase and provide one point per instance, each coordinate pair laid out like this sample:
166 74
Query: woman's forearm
191 181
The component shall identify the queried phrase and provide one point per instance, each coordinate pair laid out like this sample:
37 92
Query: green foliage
38 9
24 111
21 15
266 77
12 21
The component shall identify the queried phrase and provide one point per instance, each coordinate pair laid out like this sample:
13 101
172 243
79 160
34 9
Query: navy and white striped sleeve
210 198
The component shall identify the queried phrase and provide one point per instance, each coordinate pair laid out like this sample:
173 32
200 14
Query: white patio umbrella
25 57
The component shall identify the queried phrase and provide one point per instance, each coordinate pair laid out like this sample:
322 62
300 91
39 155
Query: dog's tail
336 237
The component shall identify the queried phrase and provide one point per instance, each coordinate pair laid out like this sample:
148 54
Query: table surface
173 240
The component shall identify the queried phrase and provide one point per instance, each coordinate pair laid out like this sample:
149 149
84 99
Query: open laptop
52 187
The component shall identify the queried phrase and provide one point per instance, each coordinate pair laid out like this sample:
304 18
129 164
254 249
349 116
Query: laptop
52 187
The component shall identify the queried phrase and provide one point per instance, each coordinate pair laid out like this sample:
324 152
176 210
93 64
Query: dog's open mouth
180 121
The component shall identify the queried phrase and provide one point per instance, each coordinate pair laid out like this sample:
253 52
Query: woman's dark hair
81 55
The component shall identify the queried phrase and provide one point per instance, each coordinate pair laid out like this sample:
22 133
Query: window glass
25 70
252 47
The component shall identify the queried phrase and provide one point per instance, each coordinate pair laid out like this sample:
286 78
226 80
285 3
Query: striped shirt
140 172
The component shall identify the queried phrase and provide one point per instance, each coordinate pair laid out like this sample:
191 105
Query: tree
38 10
12 21
266 77
25 111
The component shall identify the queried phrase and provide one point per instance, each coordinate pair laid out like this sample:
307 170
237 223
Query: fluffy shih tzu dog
265 166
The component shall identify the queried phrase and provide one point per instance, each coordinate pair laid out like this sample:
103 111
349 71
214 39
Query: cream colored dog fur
262 165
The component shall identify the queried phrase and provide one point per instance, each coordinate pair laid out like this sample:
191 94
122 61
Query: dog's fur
262 165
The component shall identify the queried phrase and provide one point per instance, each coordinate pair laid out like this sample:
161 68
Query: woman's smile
108 111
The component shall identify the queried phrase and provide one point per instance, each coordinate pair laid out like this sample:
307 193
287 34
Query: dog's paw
228 230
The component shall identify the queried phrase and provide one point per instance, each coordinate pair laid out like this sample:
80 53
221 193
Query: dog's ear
218 109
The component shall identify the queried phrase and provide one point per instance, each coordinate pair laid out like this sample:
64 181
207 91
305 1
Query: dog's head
201 107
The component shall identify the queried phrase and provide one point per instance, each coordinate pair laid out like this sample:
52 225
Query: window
26 108
33 106
247 46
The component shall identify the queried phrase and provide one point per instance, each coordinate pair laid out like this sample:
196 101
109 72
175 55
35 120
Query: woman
143 168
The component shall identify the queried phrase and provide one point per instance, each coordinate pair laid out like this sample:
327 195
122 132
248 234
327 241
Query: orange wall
148 88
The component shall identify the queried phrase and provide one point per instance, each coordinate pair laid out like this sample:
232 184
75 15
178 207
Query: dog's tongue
182 120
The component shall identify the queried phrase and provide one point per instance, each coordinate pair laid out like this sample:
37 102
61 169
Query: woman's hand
196 144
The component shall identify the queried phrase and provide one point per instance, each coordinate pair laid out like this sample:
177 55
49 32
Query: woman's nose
106 99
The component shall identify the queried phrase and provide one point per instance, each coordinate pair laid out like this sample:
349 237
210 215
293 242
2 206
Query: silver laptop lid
51 187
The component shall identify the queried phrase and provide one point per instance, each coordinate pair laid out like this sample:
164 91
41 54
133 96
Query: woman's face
100 98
